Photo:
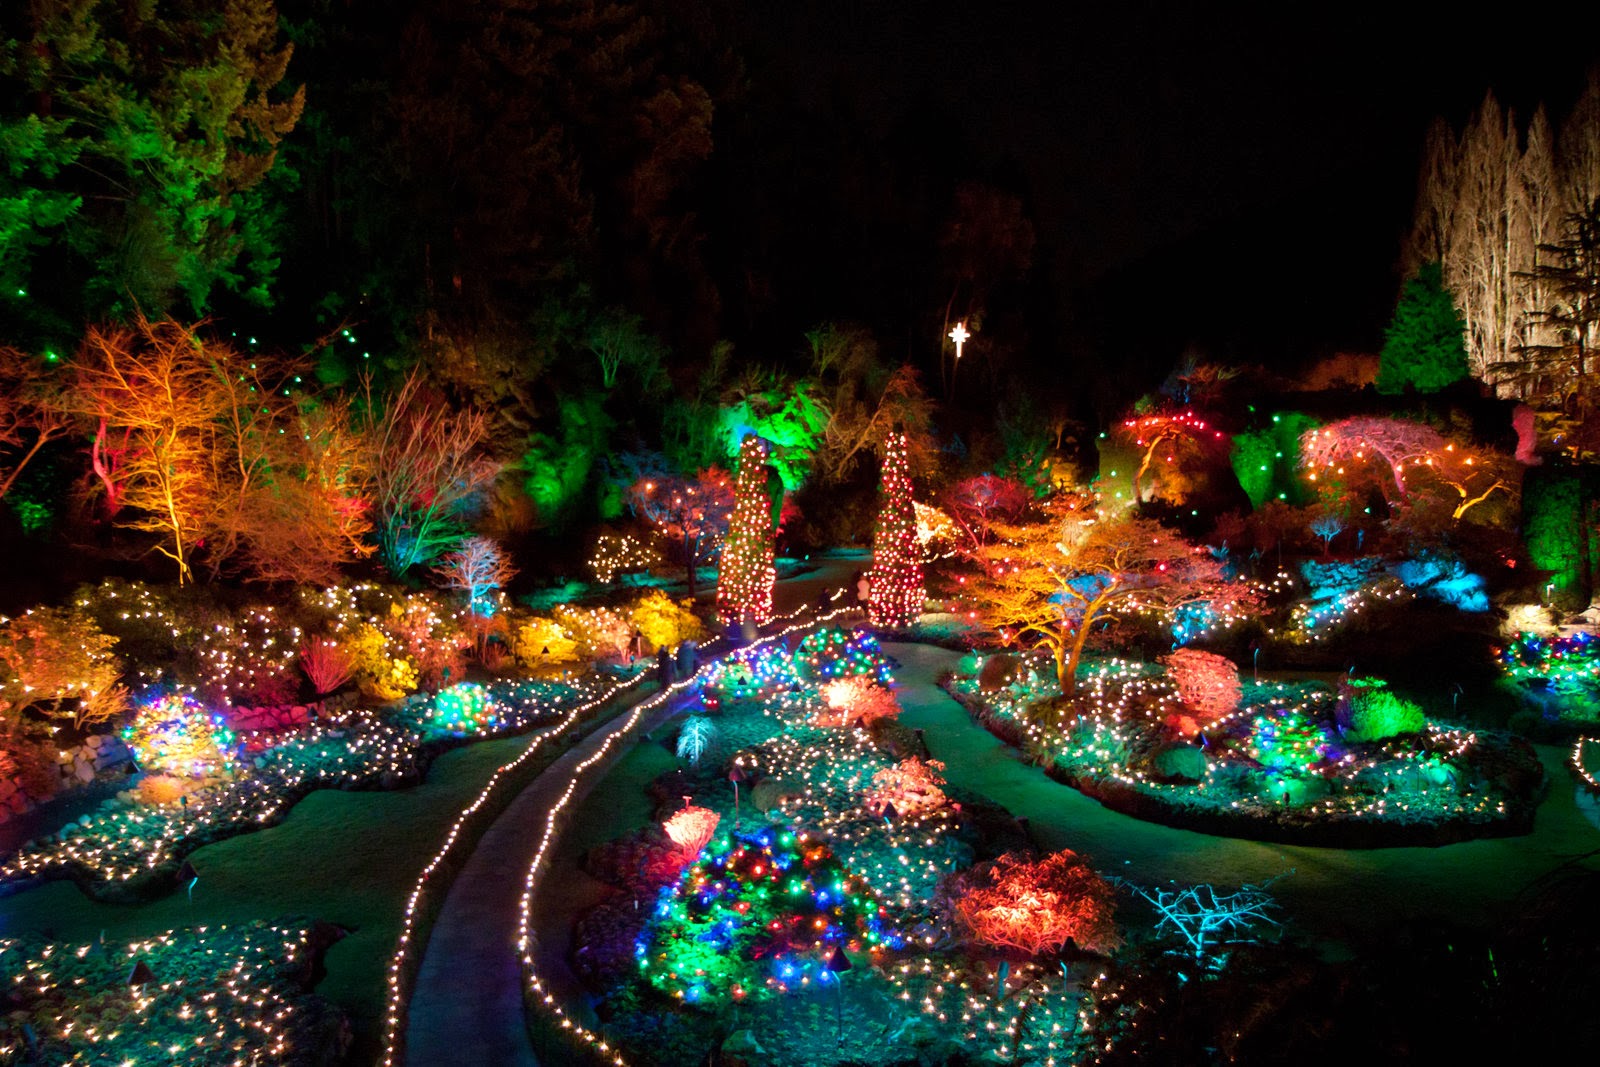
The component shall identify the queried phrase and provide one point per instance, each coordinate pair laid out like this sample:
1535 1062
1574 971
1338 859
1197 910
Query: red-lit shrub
1207 683
691 829
1033 905
910 786
857 699
328 665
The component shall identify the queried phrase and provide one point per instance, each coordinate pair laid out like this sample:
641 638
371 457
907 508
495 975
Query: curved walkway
467 1004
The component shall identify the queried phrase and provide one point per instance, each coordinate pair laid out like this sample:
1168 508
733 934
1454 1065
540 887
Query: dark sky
1179 145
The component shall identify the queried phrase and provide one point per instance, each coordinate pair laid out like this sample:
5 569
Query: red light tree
896 577
746 574
976 504
691 513
1463 478
1034 906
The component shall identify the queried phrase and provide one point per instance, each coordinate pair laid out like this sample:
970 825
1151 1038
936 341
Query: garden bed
1277 768
725 923
201 996
132 850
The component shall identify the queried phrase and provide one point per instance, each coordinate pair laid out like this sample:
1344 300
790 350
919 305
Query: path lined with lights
467 1003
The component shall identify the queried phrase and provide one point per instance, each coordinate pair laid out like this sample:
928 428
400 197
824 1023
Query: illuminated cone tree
744 580
896 578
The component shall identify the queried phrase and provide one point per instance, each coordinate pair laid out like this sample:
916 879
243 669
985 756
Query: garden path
467 1003
1334 894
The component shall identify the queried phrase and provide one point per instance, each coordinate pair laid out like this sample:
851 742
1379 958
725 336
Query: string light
895 581
746 574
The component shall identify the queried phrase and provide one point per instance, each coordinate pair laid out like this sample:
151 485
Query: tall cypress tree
896 579
746 574
1424 346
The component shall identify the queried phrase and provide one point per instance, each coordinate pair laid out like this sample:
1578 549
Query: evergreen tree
137 138
896 579
1423 347
744 580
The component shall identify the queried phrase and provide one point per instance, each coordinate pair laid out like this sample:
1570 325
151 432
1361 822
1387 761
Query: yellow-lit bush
59 661
598 633
541 643
663 622
382 671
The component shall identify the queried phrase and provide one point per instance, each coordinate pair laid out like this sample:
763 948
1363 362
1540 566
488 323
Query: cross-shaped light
959 335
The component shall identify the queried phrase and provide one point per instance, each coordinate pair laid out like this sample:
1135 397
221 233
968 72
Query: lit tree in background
1424 346
896 578
1167 441
744 580
1054 582
691 513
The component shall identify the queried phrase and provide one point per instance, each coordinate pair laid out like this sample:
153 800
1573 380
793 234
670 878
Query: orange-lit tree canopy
1053 581
1167 440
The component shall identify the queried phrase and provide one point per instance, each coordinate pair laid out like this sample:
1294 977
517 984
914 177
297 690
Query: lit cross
959 335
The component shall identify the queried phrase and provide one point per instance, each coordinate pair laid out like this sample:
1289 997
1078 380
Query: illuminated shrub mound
1289 742
750 672
597 633
464 709
858 699
759 914
663 622
1034 905
177 735
836 653
911 787
1368 711
542 643
1207 683
1566 663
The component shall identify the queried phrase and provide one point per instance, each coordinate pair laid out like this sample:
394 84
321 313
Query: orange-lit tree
192 419
746 573
1054 581
1034 905
895 581
691 513
429 468
1168 441
30 413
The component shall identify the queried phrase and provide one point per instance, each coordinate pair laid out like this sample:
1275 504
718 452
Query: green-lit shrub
1368 711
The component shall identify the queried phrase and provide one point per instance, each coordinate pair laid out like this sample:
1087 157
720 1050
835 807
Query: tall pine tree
1423 348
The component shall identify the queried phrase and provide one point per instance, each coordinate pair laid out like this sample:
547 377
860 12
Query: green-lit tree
1424 347
136 139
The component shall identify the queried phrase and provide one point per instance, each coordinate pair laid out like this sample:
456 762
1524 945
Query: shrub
29 761
1368 711
379 671
910 786
164 789
59 661
597 633
327 664
177 735
543 643
691 829
836 653
1033 906
663 622
1207 683
848 701
434 645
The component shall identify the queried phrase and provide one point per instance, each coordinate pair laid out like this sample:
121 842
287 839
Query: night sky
1236 180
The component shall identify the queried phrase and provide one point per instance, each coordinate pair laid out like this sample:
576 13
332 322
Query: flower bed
203 996
843 850
132 850
1292 764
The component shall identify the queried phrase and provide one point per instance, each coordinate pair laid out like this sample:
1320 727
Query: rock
741 1049
1180 764
999 671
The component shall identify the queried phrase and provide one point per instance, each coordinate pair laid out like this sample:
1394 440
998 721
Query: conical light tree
897 592
744 580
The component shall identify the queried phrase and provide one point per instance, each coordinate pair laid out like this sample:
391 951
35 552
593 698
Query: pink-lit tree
977 503
1411 457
